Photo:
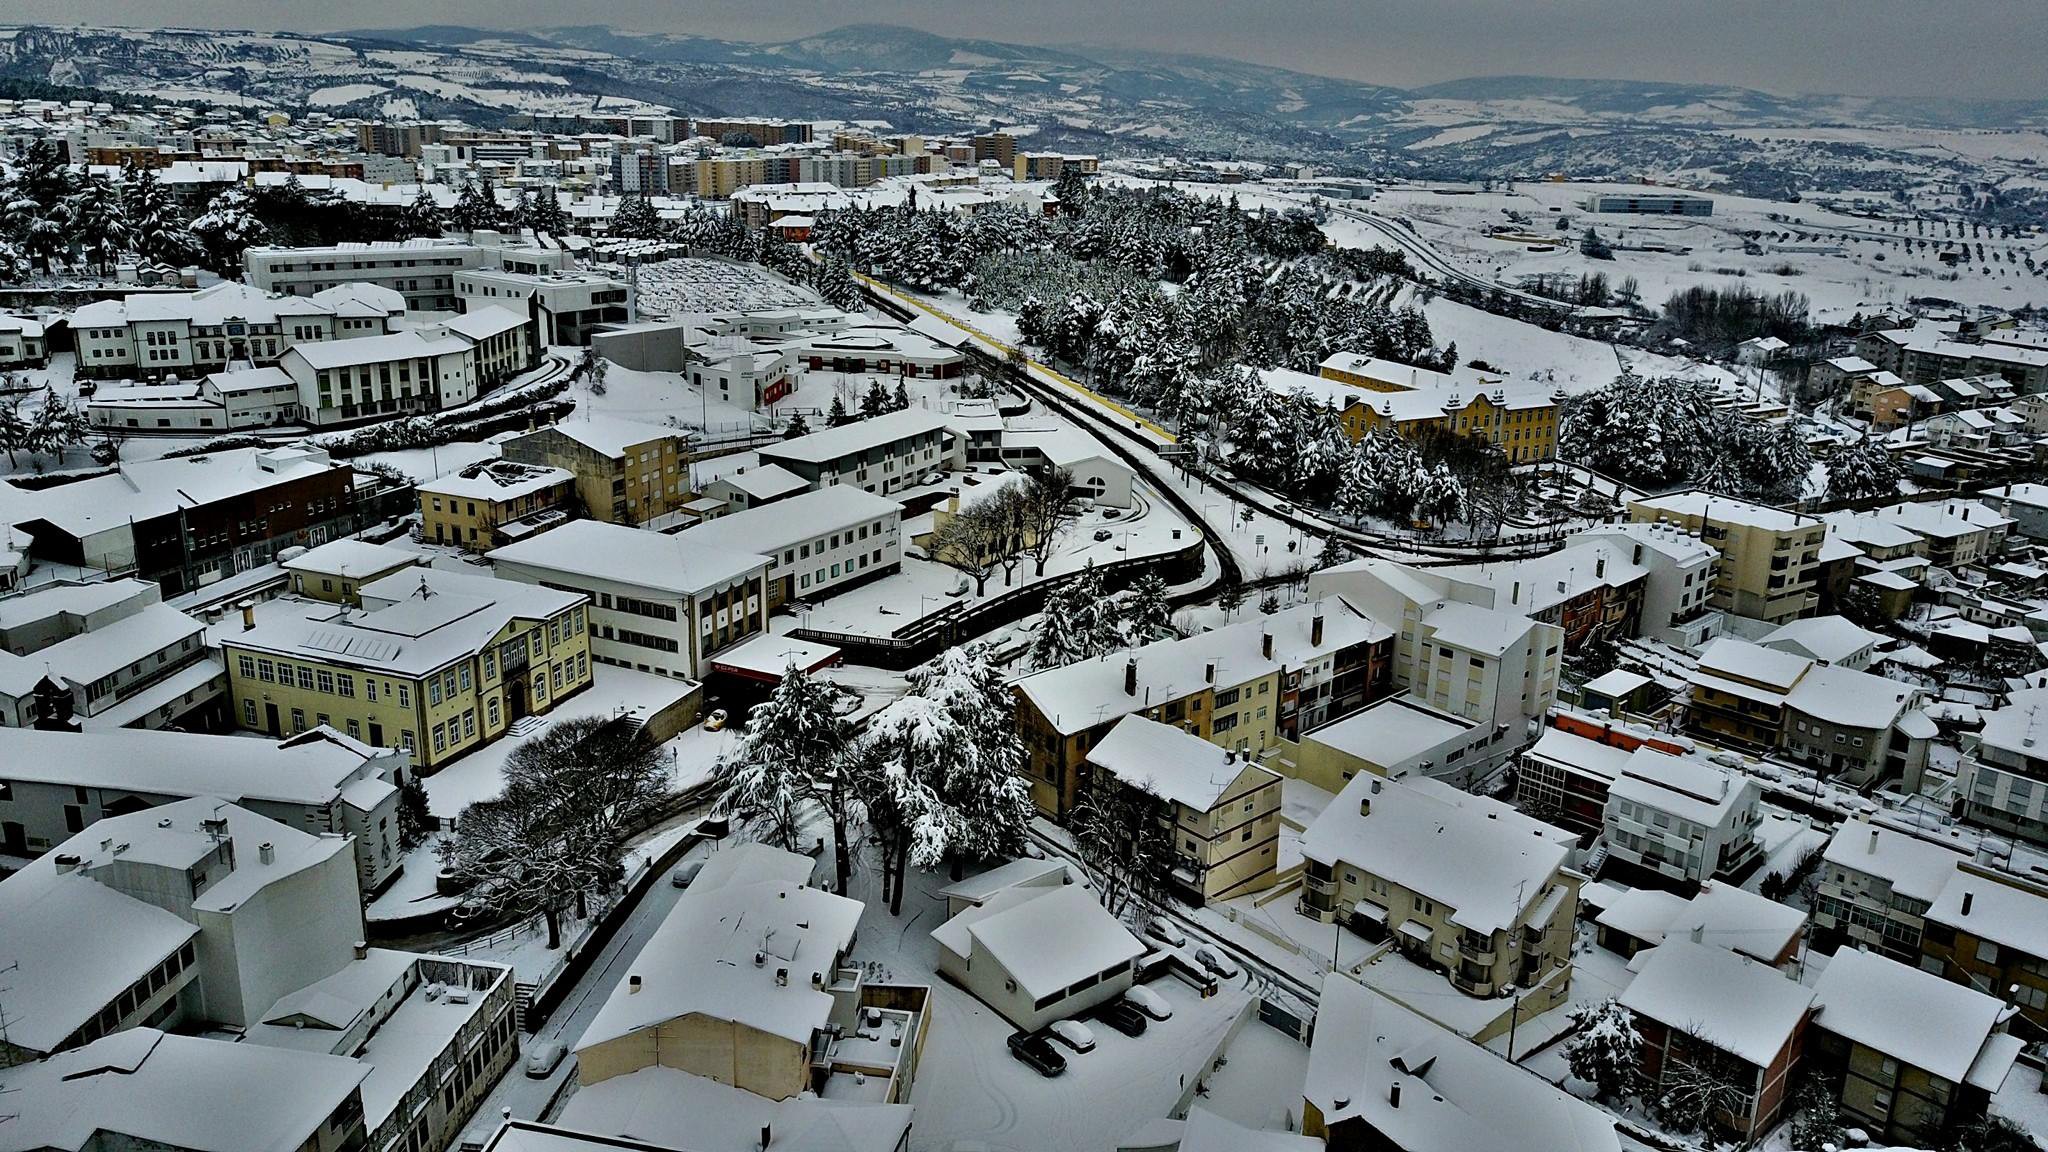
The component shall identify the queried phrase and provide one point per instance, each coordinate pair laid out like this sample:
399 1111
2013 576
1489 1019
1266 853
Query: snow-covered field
673 288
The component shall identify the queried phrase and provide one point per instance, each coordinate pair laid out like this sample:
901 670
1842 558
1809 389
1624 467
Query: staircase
527 725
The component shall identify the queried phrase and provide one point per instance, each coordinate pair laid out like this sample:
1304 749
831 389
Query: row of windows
134 996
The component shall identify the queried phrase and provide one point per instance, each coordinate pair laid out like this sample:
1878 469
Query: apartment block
1769 557
1461 884
492 502
1236 687
1681 821
626 472
423 271
1876 886
155 334
1222 812
880 454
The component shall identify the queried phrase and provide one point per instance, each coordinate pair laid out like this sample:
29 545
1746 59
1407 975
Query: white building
222 401
435 1032
155 334
419 370
565 307
2004 782
423 270
1038 954
1835 641
658 603
56 784
1683 818
1679 569
1876 885
197 910
817 543
880 454
22 342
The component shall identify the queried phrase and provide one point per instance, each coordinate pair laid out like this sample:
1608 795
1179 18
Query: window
247 666
326 681
346 684
305 678
266 671
405 695
248 712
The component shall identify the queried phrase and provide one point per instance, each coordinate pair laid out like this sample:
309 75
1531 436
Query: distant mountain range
1100 99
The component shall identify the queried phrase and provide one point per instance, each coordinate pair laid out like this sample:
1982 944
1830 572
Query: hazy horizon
1892 48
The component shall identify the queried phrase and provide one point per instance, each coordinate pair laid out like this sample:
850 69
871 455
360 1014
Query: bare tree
558 831
1048 508
979 537
1124 841
1702 1087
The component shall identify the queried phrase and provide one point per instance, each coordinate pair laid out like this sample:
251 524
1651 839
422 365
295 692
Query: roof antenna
425 590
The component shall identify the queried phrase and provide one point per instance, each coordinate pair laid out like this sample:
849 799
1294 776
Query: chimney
632 983
1515 593
362 950
1600 565
1394 1095
248 615
1638 557
1131 677
1699 933
1873 842
266 852
766 1134
1315 629
1968 899
1266 645
1209 673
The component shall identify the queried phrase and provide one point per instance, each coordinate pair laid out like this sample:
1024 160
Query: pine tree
1230 599
899 400
1604 1049
421 218
157 233
798 426
636 219
1863 470
34 214
476 209
790 763
836 414
983 787
228 227
547 215
874 402
98 227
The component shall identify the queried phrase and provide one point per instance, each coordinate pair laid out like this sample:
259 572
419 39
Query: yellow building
1223 808
626 472
494 502
1770 558
1370 393
336 570
436 663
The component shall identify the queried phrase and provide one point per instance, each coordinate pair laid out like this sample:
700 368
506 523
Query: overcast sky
1995 48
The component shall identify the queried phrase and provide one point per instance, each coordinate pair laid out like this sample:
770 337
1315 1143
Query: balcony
1477 949
1472 983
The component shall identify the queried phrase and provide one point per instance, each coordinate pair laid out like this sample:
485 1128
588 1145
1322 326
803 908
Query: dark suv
1034 1049
1123 1017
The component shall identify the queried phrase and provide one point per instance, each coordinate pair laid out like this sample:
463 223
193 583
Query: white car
1073 1034
1149 1002
542 1058
1215 962
1166 933
682 876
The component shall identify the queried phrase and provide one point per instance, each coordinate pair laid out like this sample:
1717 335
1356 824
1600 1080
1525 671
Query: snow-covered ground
673 288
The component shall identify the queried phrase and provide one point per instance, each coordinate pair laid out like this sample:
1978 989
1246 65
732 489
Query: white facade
423 270
1679 574
566 306
189 333
223 401
817 543
1682 817
880 454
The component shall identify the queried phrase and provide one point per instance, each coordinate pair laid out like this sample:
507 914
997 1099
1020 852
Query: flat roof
831 443
676 564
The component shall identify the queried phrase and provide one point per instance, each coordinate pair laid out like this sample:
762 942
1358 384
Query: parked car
1215 962
1103 533
1149 1002
1167 933
716 721
1034 1049
542 1058
1073 1034
682 876
933 477
1122 1017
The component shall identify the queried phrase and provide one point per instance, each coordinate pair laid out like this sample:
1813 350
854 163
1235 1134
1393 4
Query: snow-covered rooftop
166 1091
1587 757
770 528
1453 1096
658 1104
634 556
495 479
1829 639
2000 910
1176 766
350 559
830 444
1915 1017
1726 510
236 768
1689 787
1076 697
610 435
1048 938
719 952
1485 862
1391 731
1745 1008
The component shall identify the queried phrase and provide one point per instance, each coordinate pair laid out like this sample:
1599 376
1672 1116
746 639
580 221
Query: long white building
188 334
